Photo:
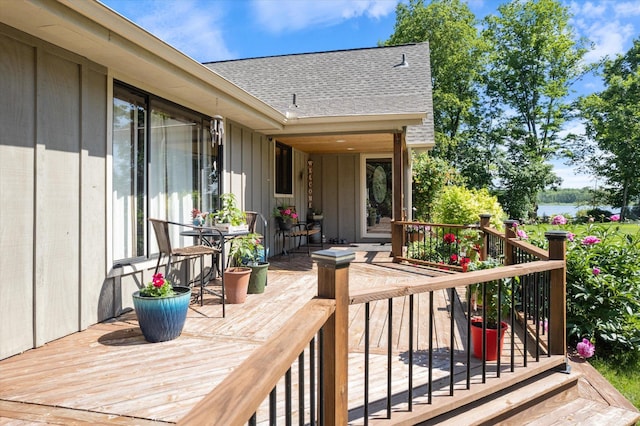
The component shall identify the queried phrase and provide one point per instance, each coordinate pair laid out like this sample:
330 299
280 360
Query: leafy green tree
429 174
533 62
456 63
613 122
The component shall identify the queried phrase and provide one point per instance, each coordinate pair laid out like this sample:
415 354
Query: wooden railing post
397 240
333 283
558 294
484 223
509 232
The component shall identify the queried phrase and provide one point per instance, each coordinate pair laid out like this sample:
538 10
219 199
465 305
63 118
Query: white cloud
292 15
595 22
186 25
627 9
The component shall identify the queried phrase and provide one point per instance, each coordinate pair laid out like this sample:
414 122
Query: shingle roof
367 81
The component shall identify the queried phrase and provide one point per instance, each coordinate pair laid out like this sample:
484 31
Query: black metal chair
161 229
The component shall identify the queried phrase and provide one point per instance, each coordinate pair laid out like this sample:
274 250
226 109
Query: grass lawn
626 380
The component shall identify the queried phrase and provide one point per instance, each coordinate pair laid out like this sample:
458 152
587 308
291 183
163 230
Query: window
164 166
284 170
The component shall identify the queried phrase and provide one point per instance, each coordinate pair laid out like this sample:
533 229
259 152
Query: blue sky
213 30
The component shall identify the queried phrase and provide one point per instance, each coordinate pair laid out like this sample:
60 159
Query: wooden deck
109 374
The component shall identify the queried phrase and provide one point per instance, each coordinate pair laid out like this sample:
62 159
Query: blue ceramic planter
162 318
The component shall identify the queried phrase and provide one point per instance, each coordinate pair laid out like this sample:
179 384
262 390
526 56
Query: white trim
364 195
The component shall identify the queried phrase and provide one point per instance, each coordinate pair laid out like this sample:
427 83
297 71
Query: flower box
227 227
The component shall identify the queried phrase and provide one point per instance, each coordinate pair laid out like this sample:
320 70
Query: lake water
552 210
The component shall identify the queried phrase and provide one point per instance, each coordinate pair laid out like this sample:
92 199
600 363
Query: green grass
626 380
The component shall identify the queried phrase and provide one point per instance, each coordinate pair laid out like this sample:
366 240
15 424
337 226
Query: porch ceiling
340 143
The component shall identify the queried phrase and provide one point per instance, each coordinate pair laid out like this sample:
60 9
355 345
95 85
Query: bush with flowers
285 213
158 287
603 288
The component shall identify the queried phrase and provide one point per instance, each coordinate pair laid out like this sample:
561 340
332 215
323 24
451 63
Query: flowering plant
158 287
285 213
586 349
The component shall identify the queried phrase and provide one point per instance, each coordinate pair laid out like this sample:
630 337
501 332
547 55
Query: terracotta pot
236 283
492 339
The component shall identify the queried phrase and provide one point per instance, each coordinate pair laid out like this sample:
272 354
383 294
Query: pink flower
615 218
287 212
544 324
449 238
585 348
521 234
294 215
590 240
559 220
571 236
158 280
596 271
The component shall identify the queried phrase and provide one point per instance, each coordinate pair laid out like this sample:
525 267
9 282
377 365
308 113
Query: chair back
161 229
252 220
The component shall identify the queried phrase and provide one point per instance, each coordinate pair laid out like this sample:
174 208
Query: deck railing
310 353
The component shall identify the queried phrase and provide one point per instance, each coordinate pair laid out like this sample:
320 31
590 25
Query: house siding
52 169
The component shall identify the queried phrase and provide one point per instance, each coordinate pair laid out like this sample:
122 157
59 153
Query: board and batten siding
53 115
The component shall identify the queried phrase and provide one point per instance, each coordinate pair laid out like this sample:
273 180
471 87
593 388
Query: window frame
283 189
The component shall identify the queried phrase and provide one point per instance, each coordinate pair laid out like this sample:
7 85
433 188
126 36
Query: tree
533 62
456 63
613 122
429 175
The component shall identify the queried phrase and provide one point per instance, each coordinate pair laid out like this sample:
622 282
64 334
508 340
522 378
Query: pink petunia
615 218
559 220
590 240
585 348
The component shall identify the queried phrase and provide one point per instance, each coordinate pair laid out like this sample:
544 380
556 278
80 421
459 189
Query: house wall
53 184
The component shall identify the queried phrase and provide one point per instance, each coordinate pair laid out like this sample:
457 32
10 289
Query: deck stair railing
429 376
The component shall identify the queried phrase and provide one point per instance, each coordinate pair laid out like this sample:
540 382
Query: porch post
558 294
509 232
333 283
399 149
484 223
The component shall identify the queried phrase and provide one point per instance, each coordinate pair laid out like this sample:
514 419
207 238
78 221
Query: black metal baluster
273 412
499 329
410 391
366 363
468 337
389 357
430 385
301 389
484 333
452 332
321 376
287 397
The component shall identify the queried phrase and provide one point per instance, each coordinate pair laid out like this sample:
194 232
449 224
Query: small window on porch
284 170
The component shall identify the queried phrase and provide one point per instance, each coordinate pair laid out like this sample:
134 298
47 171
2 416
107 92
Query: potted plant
161 309
285 217
496 306
247 250
229 217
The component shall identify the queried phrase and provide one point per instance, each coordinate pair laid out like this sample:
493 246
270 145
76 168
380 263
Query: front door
377 184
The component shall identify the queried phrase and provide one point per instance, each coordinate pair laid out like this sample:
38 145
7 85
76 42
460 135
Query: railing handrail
427 284
529 248
240 394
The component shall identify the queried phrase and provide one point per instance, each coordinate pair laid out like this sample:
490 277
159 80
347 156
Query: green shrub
603 289
462 206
